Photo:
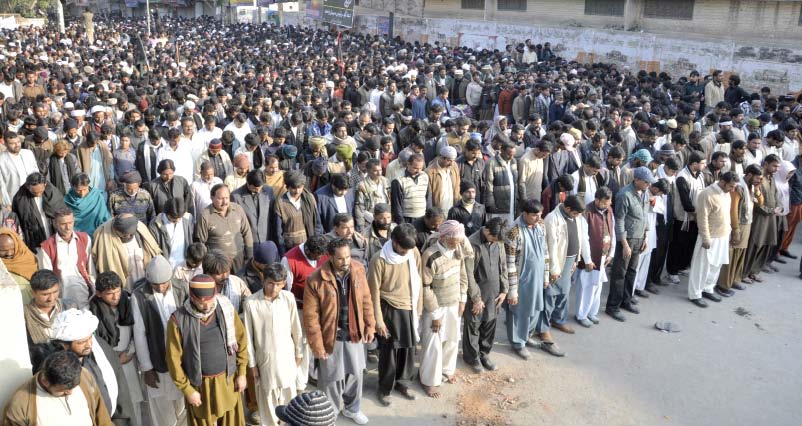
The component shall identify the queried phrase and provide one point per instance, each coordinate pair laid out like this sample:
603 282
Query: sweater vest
414 194
301 270
49 246
695 185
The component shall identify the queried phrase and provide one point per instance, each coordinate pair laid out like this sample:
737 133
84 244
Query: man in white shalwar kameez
445 276
275 342
601 232
712 246
153 302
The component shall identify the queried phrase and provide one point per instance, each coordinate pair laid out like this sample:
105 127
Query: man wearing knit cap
338 319
445 280
207 355
125 246
308 409
74 331
218 158
153 301
444 179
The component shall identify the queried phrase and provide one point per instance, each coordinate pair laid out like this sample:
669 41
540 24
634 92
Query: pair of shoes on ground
482 365
700 301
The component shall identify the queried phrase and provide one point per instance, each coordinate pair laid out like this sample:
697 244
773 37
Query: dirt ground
734 363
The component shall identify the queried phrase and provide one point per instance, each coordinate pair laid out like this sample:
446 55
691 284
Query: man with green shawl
88 204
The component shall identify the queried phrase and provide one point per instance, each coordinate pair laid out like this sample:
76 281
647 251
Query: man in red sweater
300 262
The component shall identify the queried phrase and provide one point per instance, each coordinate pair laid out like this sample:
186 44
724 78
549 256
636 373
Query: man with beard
97 162
154 300
207 355
112 306
338 319
764 223
457 137
16 165
67 253
35 205
471 165
61 392
74 330
296 215
467 211
370 192
124 245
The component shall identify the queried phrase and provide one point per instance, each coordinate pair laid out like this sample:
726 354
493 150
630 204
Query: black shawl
33 230
54 174
108 327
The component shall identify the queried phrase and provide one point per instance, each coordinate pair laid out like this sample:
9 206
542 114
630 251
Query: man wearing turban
74 330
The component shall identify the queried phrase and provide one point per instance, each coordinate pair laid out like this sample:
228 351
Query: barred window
473 4
677 9
605 7
511 4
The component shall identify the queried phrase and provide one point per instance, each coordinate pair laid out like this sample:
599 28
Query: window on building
473 4
511 4
605 7
677 9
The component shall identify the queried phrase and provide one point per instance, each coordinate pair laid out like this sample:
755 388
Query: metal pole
147 11
60 12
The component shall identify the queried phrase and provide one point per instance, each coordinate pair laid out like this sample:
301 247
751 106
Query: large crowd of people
206 221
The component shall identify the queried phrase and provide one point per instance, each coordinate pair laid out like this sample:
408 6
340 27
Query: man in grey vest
154 300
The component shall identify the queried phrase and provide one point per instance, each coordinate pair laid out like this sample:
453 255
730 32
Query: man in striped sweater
445 277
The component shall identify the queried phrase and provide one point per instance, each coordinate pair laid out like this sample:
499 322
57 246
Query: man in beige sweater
712 246
394 277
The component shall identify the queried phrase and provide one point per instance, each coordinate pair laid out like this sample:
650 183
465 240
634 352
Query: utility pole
60 13
147 11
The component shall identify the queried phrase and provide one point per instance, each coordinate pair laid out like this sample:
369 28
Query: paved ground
734 363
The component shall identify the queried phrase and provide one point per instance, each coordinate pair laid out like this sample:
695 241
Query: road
735 363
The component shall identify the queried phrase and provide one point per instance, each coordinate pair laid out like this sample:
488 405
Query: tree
27 8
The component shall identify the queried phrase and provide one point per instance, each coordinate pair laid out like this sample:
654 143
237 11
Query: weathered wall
760 64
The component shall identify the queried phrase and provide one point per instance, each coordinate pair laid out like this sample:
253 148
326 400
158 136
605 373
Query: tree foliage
27 8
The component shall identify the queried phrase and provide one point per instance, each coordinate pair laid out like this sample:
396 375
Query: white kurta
274 342
136 263
439 349
61 411
166 401
644 259
75 287
588 292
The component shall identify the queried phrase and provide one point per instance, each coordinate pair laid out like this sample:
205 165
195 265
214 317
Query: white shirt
7 90
63 410
182 157
178 241
75 287
136 263
448 195
42 215
205 135
202 193
342 207
286 264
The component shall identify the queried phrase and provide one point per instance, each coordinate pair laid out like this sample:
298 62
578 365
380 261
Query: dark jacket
327 207
178 187
139 163
472 221
258 215
159 231
489 271
796 183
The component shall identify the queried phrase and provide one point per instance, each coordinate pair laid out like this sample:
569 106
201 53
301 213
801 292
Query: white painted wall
759 63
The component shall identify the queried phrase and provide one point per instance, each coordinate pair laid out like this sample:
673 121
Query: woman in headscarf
62 166
88 204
